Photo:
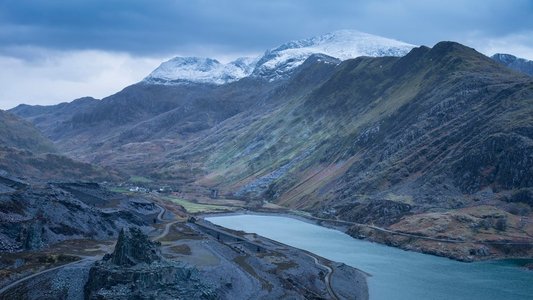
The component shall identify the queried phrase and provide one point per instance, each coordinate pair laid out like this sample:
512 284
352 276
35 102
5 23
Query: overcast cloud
55 50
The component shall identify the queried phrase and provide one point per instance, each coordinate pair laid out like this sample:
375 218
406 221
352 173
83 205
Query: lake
396 274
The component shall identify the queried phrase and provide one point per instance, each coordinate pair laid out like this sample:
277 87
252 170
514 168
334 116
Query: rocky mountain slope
515 63
404 130
18 133
53 116
26 165
26 153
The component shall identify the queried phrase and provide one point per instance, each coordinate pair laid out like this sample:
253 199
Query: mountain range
277 63
346 125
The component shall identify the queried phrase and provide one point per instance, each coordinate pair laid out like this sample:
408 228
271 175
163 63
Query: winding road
327 278
162 211
13 284
167 226
411 235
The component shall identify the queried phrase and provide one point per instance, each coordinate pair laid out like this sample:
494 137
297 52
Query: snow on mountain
277 63
516 63
200 70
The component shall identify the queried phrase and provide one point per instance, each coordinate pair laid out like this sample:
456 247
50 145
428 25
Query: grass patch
301 213
120 190
407 199
282 266
140 179
192 207
180 232
181 249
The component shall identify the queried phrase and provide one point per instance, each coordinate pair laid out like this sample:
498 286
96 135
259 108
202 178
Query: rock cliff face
136 270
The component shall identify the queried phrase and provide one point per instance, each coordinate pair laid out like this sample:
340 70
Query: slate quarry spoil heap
136 270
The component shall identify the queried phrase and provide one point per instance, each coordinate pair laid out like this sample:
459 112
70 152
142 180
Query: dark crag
136 269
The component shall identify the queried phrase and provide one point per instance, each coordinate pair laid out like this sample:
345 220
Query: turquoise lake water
396 274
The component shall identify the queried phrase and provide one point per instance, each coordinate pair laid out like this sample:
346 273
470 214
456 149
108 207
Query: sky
53 51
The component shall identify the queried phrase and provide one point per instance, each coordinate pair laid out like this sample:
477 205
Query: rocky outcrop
31 237
133 248
379 212
502 161
136 270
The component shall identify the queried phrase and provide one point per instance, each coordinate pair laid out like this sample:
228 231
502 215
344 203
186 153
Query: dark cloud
58 50
169 26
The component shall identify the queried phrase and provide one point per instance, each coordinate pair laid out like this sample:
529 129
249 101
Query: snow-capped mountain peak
200 70
277 63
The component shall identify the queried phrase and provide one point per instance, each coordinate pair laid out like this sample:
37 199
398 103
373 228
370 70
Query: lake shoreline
383 239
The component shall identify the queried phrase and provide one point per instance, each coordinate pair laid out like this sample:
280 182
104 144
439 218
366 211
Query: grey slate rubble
136 270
